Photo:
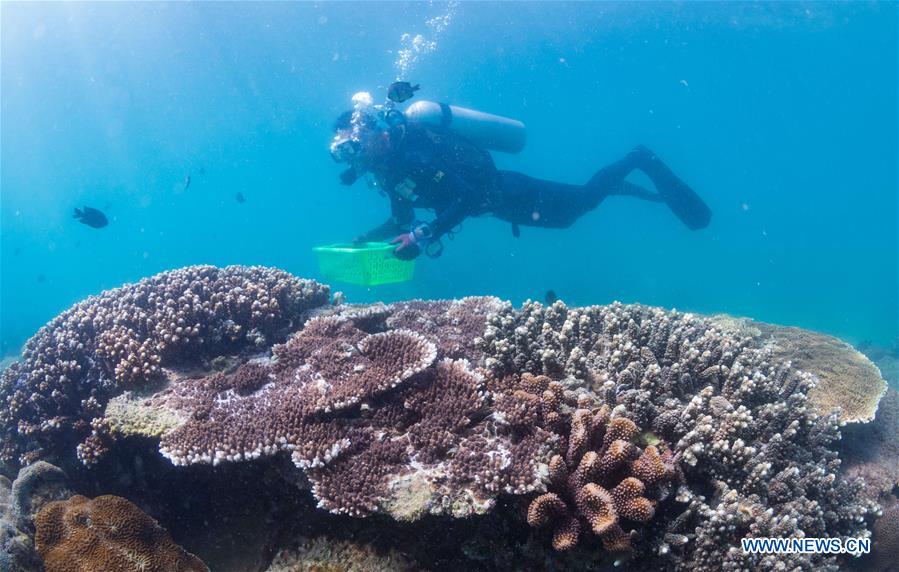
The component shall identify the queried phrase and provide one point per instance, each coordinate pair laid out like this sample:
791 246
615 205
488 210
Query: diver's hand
407 248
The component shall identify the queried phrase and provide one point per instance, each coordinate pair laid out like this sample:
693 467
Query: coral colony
656 434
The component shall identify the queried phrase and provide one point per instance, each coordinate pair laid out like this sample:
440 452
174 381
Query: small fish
240 198
91 217
550 297
17 251
41 278
186 183
400 91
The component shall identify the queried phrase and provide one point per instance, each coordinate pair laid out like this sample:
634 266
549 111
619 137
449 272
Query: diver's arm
411 244
459 208
449 218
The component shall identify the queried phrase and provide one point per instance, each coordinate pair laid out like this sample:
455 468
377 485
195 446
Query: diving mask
345 148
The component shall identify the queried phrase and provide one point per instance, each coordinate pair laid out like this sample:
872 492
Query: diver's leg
680 198
607 180
527 201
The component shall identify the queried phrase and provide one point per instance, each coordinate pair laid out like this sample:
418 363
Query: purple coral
356 411
330 365
122 338
456 324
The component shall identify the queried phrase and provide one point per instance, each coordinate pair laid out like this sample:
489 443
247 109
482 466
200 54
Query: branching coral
107 533
737 418
123 337
602 481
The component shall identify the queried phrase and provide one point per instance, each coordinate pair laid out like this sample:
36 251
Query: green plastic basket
368 264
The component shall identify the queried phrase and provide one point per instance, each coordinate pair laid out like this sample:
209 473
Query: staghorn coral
739 421
123 338
106 533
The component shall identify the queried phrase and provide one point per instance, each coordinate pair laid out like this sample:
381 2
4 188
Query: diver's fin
680 198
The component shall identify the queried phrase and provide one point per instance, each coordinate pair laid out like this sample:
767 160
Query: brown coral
356 411
456 324
330 365
886 538
601 482
107 533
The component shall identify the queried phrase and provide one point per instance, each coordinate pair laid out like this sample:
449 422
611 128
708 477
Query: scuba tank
484 129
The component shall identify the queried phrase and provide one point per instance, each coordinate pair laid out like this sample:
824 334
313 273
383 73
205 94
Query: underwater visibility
440 286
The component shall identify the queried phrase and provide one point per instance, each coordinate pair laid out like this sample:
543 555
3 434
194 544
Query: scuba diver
435 156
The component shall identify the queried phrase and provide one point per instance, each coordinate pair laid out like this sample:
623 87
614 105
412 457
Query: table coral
362 414
847 379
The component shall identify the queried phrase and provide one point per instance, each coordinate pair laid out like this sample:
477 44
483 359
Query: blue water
782 116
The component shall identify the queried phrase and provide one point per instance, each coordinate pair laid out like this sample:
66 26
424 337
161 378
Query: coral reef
847 379
454 323
380 421
577 437
885 543
321 554
602 481
35 486
106 533
871 451
122 338
757 458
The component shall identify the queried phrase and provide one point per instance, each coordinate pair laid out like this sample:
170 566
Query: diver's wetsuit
433 168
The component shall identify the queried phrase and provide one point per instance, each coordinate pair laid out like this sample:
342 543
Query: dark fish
41 278
240 198
17 251
91 217
400 91
550 297
186 182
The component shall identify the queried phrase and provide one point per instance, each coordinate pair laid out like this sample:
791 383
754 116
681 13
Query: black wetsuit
432 168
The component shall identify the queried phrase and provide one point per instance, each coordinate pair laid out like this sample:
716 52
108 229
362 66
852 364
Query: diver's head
363 135
359 144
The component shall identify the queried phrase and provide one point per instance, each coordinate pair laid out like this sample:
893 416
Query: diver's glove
411 244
